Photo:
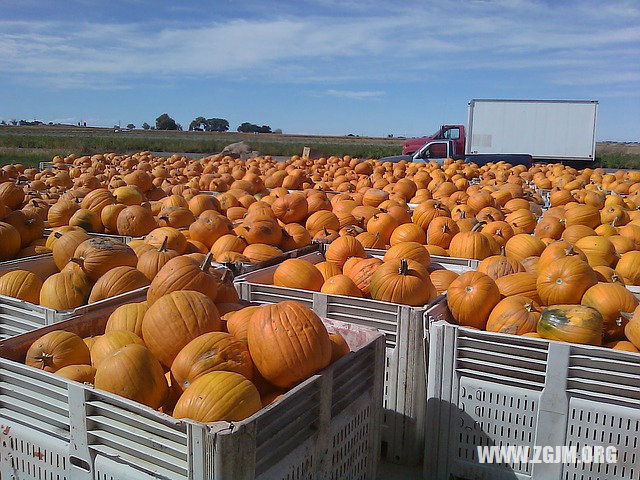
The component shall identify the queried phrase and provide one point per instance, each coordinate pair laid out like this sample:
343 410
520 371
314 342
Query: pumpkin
558 250
383 225
290 208
402 281
598 250
410 250
575 232
30 227
628 267
10 241
57 349
341 285
470 244
441 231
201 203
134 373
322 220
408 232
140 246
172 238
66 290
549 227
258 252
586 215
61 212
96 256
210 352
612 300
521 283
151 262
515 315
623 346
127 317
299 274
65 246
228 243
361 273
471 297
21 284
632 329
135 221
183 273
342 248
117 281
571 323
441 279
370 240
78 373
288 342
497 266
294 236
263 231
238 322
175 319
111 342
218 396
622 244
328 269
96 200
87 219
522 245
339 346
109 216
564 281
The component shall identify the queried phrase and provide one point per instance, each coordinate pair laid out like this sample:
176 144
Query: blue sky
316 67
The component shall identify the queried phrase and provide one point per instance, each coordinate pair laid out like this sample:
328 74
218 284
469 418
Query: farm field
30 145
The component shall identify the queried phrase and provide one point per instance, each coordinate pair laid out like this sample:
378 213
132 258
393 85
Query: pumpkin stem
77 260
57 234
46 359
163 247
528 307
616 278
462 215
227 276
404 267
206 263
570 251
478 226
625 315
325 231
614 221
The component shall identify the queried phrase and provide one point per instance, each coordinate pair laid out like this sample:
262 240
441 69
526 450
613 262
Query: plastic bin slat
101 411
148 459
298 417
97 423
613 378
33 386
33 409
471 355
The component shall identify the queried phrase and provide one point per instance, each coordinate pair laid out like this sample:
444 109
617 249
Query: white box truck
548 130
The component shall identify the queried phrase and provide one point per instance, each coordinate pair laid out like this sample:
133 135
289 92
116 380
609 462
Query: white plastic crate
122 238
404 329
241 268
326 427
455 264
488 388
18 316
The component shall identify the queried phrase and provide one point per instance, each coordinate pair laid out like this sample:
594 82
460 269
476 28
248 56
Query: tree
131 126
146 126
216 125
165 122
14 122
247 127
3 122
198 124
278 131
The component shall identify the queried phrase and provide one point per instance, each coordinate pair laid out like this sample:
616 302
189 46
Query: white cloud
358 95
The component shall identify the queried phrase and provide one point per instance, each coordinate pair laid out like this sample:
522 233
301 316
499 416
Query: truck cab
455 133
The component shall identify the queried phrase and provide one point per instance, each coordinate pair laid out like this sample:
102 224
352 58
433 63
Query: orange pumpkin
521 283
564 281
441 279
361 273
341 285
299 274
342 248
127 317
238 322
57 349
522 245
21 284
612 300
111 342
117 281
497 266
471 297
402 281
516 315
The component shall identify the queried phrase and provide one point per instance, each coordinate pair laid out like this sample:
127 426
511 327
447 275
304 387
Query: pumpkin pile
176 353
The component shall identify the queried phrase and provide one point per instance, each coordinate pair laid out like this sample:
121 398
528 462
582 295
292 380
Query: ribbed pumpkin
382 224
10 241
294 236
564 281
342 248
341 285
78 373
441 231
210 352
522 245
361 273
228 243
521 283
410 250
339 346
322 219
135 221
558 250
598 250
370 240
408 232
151 262
471 298
97 199
258 252
87 219
571 323
218 396
628 267
575 232
61 212
263 231
516 315
30 226
57 349
127 317
441 279
402 281
184 273
288 342
134 373
238 322
611 300
632 329
109 216
172 238
21 284
471 244
96 256
298 273
65 246
175 319
549 227
290 208
427 211
497 266
116 281
227 293
66 290
586 215
111 342
531 264
328 269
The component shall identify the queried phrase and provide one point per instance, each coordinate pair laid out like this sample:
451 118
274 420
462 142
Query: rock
240 149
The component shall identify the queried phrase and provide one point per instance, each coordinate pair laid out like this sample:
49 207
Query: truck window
452 134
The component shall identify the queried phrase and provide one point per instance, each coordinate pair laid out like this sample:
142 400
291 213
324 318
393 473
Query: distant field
30 145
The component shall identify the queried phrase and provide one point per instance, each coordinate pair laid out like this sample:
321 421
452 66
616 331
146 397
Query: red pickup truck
455 133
